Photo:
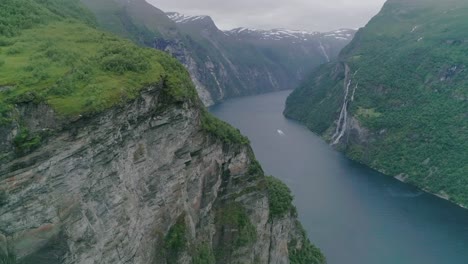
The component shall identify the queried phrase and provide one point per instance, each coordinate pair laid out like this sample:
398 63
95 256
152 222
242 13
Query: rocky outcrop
140 183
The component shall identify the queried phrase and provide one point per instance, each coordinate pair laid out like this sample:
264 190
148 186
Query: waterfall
343 119
322 48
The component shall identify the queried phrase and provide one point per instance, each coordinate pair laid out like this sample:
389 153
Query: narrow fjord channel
354 214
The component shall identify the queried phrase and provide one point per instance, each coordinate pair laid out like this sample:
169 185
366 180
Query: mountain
397 98
222 64
247 61
107 155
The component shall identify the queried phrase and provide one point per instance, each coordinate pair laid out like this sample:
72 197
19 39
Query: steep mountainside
221 64
108 156
245 61
397 100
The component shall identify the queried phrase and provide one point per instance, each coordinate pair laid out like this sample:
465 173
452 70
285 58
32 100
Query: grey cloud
313 15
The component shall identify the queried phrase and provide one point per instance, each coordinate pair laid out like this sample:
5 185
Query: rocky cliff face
140 183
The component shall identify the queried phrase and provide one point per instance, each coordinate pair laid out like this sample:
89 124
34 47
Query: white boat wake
281 133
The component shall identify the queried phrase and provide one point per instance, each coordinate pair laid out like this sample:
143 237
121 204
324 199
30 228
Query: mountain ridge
270 49
396 99
220 66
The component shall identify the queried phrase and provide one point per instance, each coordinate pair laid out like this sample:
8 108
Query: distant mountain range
245 61
223 64
273 34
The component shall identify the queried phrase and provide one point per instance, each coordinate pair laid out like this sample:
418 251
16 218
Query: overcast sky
311 15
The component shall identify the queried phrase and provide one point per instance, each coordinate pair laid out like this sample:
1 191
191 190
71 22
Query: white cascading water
343 120
322 48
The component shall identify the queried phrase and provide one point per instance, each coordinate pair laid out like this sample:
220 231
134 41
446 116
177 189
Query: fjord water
354 214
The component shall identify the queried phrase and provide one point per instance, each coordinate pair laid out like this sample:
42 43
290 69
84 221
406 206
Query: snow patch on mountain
341 34
273 34
183 19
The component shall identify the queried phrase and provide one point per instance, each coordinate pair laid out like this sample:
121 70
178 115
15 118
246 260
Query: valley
131 134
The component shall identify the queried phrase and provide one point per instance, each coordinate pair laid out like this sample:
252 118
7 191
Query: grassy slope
138 20
413 87
50 52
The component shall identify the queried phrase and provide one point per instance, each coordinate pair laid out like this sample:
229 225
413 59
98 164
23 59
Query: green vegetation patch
302 251
64 62
308 254
204 255
17 15
235 228
280 198
175 241
25 142
222 130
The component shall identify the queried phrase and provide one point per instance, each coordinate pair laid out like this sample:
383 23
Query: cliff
396 100
114 187
108 156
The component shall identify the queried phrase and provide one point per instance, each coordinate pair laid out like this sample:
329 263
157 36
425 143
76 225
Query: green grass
412 94
280 198
138 20
80 73
73 67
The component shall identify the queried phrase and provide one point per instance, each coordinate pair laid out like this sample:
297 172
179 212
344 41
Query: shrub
14 50
307 254
4 42
222 130
280 198
25 142
204 255
234 217
255 169
235 228
123 58
176 241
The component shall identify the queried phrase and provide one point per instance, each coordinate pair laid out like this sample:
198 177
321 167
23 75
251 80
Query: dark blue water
354 214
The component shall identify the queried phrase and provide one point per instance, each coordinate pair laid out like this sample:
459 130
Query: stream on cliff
354 214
